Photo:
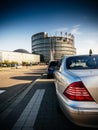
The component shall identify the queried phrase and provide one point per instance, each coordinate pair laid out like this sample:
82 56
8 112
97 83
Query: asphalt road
31 105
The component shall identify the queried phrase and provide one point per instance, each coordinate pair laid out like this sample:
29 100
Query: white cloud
75 30
84 39
76 26
83 45
61 29
58 31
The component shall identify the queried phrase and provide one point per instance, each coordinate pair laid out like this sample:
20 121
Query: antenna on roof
90 52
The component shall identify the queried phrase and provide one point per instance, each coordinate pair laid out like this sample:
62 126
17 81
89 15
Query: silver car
76 83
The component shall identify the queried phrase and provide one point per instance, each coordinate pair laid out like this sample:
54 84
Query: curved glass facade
52 47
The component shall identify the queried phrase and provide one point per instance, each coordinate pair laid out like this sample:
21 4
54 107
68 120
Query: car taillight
78 92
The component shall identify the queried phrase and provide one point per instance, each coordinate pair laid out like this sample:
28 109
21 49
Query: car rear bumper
85 117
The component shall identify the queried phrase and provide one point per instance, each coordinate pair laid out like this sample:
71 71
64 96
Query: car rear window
82 62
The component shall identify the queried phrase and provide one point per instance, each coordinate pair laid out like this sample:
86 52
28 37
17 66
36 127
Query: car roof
80 55
53 61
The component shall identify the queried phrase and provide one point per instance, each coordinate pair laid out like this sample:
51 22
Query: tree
90 52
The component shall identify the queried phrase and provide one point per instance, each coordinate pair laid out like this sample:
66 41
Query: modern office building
19 56
52 47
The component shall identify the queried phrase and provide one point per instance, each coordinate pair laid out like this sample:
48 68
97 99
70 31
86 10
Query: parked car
18 66
52 66
76 83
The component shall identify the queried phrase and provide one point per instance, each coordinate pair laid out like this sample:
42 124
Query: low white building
19 57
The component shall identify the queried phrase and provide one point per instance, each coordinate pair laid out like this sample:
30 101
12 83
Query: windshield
82 62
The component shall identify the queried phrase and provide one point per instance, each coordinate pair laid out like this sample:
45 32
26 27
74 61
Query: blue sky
20 19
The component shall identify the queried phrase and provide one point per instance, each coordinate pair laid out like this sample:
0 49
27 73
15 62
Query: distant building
19 56
52 47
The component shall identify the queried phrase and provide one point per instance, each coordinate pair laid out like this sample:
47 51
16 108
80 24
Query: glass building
52 47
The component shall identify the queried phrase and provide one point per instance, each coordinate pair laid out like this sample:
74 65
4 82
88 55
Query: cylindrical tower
52 47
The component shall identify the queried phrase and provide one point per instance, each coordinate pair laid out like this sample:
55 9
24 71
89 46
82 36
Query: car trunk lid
90 80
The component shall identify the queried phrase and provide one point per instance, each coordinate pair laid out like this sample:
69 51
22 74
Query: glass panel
82 62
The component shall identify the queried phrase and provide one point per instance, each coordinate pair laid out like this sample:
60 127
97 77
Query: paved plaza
13 76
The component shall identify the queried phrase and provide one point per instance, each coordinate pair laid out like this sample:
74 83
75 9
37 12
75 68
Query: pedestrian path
28 116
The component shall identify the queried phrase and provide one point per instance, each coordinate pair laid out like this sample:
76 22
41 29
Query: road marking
27 118
5 113
2 91
45 80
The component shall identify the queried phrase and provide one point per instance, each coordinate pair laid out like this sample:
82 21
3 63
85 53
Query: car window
82 62
53 63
